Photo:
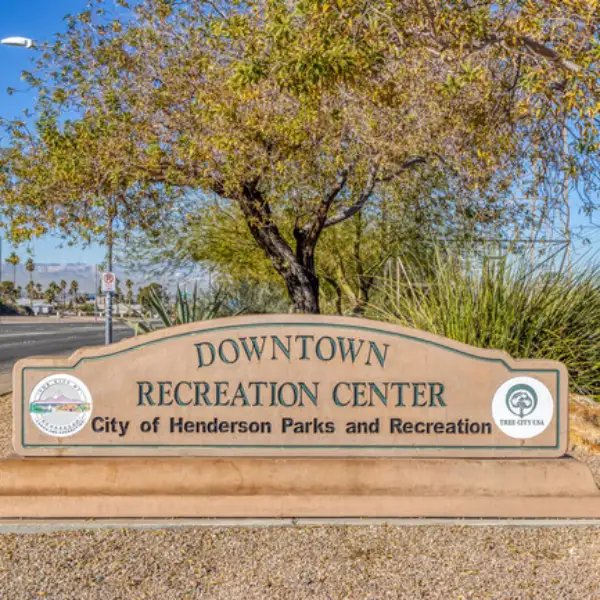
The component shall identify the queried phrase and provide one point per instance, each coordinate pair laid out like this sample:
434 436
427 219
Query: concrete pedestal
40 488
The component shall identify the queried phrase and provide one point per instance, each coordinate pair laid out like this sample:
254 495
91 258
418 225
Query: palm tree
50 292
30 267
63 287
73 292
14 260
38 290
31 292
129 286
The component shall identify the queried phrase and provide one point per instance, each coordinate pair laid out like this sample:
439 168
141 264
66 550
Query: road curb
14 526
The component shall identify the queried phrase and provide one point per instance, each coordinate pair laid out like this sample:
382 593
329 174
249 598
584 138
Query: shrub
9 309
199 307
87 309
507 305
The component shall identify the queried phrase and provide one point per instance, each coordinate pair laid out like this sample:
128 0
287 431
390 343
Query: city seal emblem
522 407
60 405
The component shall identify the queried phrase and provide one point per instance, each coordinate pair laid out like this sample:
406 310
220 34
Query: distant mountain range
84 274
44 273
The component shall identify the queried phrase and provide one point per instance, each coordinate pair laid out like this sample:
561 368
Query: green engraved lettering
279 344
233 346
331 349
312 394
336 398
380 356
350 349
255 349
145 393
178 400
202 360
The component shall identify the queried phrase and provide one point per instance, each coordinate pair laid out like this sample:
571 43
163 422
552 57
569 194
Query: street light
21 42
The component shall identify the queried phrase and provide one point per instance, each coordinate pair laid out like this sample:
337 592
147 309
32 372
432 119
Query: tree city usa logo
521 400
522 407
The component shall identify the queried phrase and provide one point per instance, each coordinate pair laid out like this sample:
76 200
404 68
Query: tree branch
547 52
310 230
372 181
349 211
514 41
407 164
259 218
537 48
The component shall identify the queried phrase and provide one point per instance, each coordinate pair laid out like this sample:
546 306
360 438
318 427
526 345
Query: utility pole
108 328
95 292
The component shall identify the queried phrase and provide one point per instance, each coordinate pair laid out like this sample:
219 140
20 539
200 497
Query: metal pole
108 329
108 321
95 292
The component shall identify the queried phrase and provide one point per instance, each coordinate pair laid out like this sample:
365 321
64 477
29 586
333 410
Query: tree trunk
297 268
303 289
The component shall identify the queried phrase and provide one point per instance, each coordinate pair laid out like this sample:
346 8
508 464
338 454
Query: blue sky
41 20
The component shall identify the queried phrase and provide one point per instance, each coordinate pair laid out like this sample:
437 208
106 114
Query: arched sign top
291 385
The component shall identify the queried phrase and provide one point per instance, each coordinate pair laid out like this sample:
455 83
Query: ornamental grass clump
506 305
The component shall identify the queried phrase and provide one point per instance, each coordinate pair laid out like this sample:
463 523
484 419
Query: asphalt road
20 340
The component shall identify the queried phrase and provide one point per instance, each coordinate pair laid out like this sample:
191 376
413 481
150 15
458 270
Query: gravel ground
446 562
301 562
5 425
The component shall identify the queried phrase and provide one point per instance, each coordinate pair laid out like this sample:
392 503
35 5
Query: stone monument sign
290 386
291 416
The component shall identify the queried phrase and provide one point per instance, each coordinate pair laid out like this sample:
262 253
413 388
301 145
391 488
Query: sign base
43 488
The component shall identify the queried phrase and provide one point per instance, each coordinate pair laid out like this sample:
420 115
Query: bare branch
543 50
535 47
349 211
310 229
407 164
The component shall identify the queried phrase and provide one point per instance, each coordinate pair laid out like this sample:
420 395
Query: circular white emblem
522 407
60 405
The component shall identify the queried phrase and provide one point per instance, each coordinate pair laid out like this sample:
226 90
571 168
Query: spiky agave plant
185 310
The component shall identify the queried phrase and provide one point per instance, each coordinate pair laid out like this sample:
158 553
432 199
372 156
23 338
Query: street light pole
20 42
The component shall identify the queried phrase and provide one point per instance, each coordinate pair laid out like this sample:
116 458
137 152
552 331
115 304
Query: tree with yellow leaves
301 112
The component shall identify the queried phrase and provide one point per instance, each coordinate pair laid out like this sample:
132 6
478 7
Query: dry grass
584 425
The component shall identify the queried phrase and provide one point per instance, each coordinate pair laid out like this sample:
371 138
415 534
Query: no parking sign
109 282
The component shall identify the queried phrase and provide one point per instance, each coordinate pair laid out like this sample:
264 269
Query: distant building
39 307
119 308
